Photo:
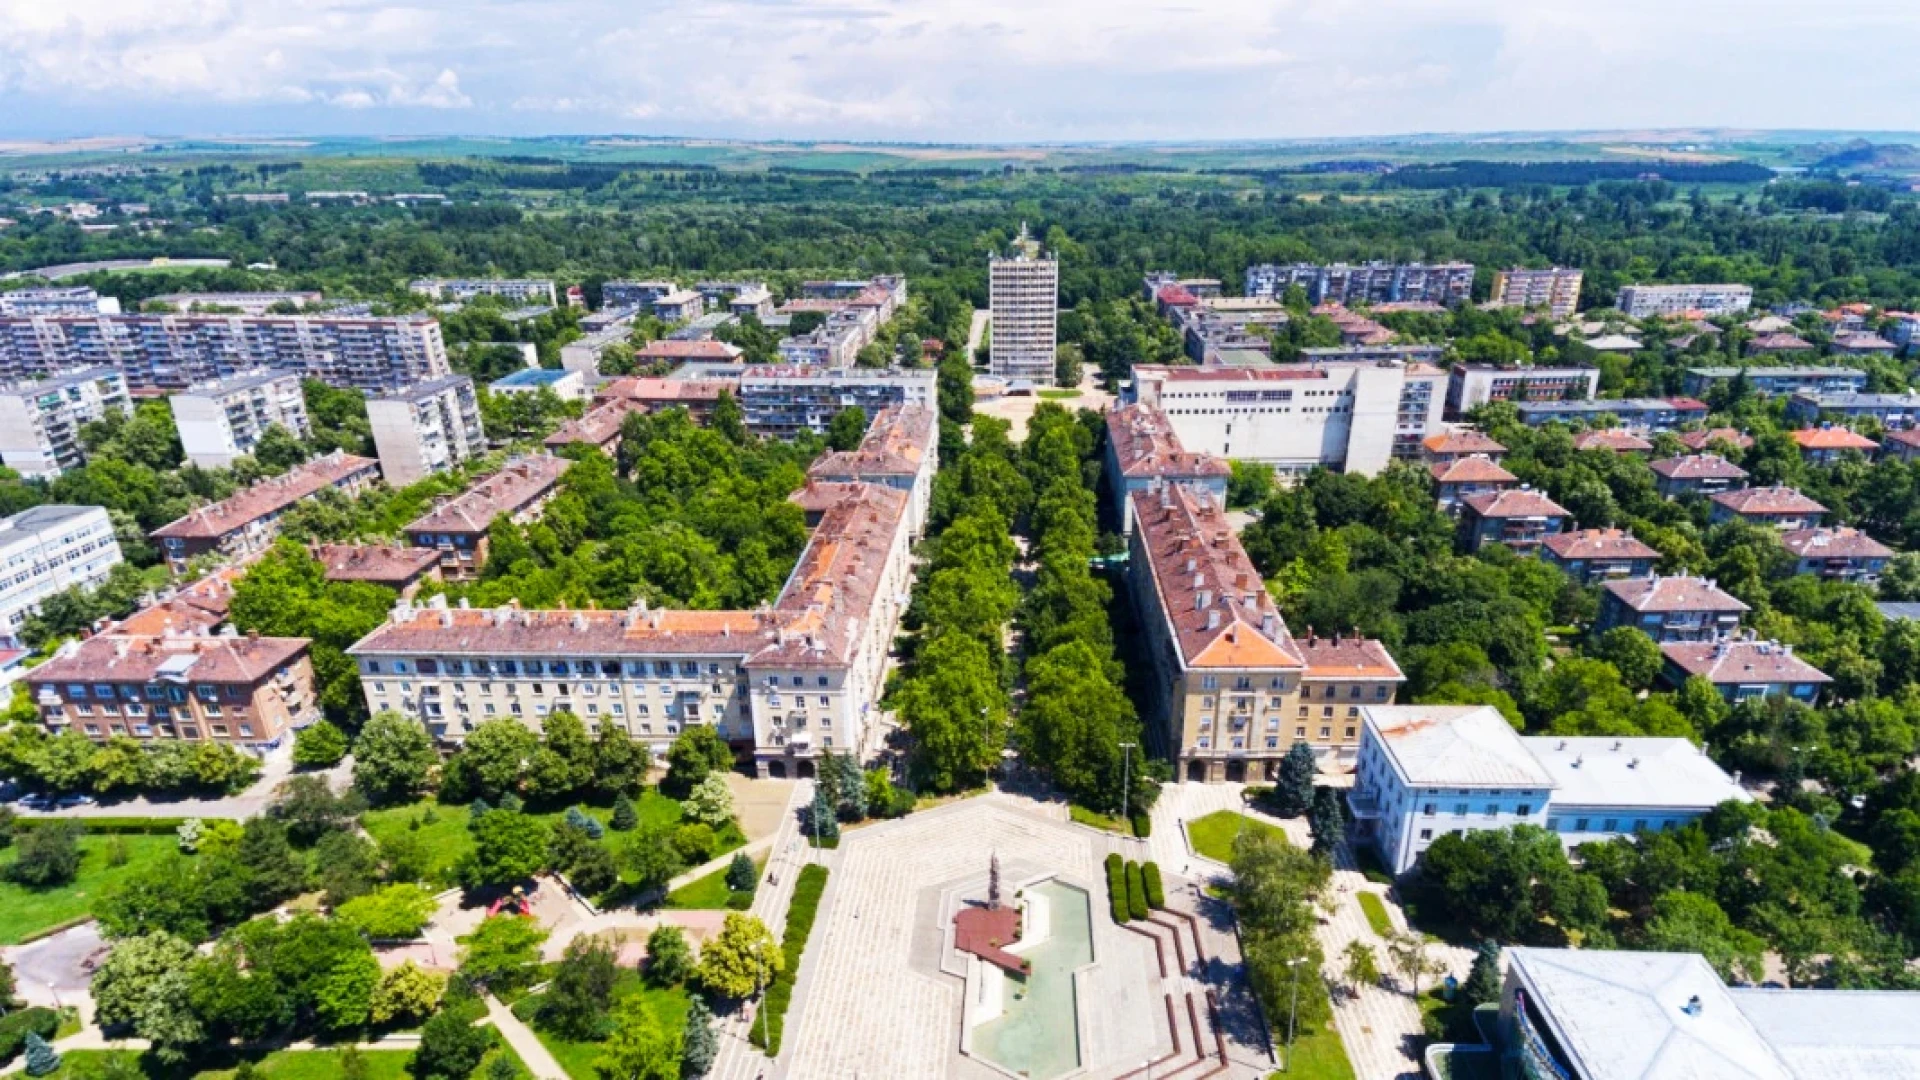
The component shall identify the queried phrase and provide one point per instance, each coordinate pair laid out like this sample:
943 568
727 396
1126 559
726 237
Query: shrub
1136 892
739 901
1117 888
800 912
15 1025
1156 892
742 875
105 826
1142 825
694 843
669 957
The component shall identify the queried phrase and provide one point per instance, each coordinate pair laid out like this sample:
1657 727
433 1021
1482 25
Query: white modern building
40 419
1473 385
426 428
49 549
1354 417
246 303
1645 301
520 290
1024 289
1555 288
57 300
1428 770
566 385
1365 283
225 418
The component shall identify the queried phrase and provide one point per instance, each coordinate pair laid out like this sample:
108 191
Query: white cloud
979 69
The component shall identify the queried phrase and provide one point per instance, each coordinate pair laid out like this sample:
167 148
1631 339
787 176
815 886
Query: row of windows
152 692
145 731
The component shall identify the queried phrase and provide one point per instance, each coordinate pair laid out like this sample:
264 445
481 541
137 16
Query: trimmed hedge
1117 888
807 890
15 1025
106 826
1142 826
1156 893
1136 892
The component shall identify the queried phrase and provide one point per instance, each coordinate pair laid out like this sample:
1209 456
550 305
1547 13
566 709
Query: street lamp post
1126 779
1294 1008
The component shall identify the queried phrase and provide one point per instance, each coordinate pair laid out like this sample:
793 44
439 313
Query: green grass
1059 395
1376 913
1098 820
1213 835
447 840
708 892
1317 1055
279 1065
667 1004
25 912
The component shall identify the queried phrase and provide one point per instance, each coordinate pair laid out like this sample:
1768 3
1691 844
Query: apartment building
1350 416
583 353
1647 301
1476 475
565 385
1709 438
402 569
1670 608
57 300
46 550
1778 505
634 294
1903 445
1743 669
678 306
1696 474
1425 771
246 303
1366 283
783 683
688 352
247 522
1840 553
225 418
1024 292
1768 381
1895 412
1520 518
738 297
1594 555
426 428
901 450
1640 414
456 527
1472 385
1345 673
172 352
40 419
699 396
1826 445
1144 452
247 692
1461 442
1556 289
598 427
779 401
461 290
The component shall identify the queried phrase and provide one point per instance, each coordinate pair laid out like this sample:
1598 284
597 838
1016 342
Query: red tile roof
666 391
1777 342
1777 499
380 564
1834 543
1615 439
1343 658
169 616
1905 437
516 486
269 496
1462 441
1477 469
1209 591
1599 544
139 658
1654 593
1144 444
1832 438
718 351
597 426
896 443
1742 662
1699 440
1698 467
1514 502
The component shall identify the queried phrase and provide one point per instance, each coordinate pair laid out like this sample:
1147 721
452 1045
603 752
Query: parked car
37 802
68 802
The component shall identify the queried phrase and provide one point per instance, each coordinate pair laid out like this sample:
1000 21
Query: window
1273 744
1205 742
1427 810
1299 733
1640 825
1553 824
1459 809
1493 809
1350 730
1524 810
1610 825
1579 824
1426 834
1326 732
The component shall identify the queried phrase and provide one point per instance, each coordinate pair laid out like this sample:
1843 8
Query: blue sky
951 70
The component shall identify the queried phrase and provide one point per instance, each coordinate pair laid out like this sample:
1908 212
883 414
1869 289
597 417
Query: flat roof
1837 1034
536 377
1632 773
1455 746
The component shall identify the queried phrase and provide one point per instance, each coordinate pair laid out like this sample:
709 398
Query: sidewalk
524 1042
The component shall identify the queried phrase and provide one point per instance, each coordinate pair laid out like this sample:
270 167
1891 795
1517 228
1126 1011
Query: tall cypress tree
698 1044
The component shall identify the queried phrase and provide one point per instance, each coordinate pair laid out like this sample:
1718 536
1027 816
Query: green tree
729 420
345 865
1483 979
697 751
620 765
847 428
451 1047
407 993
42 1058
494 756
1636 656
955 711
650 857
641 1047
1074 722
625 817
319 746
127 975
393 758
502 950
309 809
46 856
508 846
396 912
1688 922
741 959
1328 824
699 1045
275 872
575 1004
710 802
1362 967
669 957
741 874
1293 791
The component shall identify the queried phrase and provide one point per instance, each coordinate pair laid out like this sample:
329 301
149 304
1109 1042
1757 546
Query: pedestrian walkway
788 852
524 1042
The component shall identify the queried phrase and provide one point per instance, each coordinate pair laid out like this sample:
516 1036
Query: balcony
1365 805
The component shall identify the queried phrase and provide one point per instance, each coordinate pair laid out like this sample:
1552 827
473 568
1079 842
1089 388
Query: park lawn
668 1005
1376 913
1098 820
1059 395
1317 1055
24 911
1212 835
708 892
279 1065
447 840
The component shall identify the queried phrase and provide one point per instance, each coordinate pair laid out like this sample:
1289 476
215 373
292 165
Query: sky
951 70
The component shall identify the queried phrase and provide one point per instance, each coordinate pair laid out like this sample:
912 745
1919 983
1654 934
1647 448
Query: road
977 331
66 270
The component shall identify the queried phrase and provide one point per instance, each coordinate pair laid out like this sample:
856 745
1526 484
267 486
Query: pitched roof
896 443
1144 443
269 496
123 658
1209 591
1617 439
1832 438
1731 662
169 616
597 426
381 564
665 391
1698 467
1514 502
517 485
1654 593
1475 469
1625 1016
1834 543
1599 544
1349 657
1778 499
709 350
1455 745
1778 342
1905 437
1699 440
1462 441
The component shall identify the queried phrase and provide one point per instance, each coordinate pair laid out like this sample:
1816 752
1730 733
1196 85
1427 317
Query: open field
25 911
